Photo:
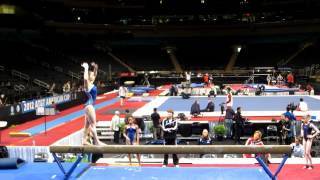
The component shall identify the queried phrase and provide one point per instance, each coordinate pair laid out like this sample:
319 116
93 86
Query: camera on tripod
292 107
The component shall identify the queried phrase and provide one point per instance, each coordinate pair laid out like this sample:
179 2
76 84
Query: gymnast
89 77
307 129
131 133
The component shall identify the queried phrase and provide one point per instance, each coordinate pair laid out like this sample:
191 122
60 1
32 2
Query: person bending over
256 141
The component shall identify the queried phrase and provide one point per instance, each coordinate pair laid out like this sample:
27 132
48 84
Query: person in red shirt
206 79
255 141
290 80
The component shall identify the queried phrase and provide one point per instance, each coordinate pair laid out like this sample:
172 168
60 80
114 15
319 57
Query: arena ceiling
170 20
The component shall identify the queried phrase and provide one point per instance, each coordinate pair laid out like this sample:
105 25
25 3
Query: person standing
131 133
122 93
284 130
116 127
188 78
280 80
206 79
127 114
91 91
169 127
228 120
156 124
306 132
269 78
238 125
292 119
229 100
290 80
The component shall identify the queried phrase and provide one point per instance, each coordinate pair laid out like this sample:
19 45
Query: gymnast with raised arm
91 91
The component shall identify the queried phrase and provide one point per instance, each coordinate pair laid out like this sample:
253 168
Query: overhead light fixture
202 1
238 49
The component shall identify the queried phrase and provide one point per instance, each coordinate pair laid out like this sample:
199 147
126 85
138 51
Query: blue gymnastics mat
41 171
155 173
248 103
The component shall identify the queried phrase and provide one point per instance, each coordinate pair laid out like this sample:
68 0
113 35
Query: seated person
173 91
195 108
297 149
204 139
210 106
185 95
310 89
302 106
253 141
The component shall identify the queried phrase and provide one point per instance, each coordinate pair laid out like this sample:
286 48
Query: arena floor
71 121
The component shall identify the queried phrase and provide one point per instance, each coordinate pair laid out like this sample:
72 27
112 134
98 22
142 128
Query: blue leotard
307 129
92 95
131 133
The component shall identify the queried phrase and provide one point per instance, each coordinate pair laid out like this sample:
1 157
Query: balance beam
174 149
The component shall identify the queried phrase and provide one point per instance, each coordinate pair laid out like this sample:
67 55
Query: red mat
155 92
53 134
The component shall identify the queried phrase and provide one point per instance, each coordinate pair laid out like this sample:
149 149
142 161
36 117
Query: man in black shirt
239 125
195 108
173 91
156 123
210 106
284 129
169 127
228 120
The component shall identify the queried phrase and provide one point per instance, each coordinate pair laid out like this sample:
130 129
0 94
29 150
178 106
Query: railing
102 72
19 87
1 68
73 75
58 69
45 64
20 74
41 83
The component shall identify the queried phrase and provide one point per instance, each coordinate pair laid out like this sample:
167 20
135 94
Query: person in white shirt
188 77
115 127
229 101
280 79
122 93
303 106
269 78
297 149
